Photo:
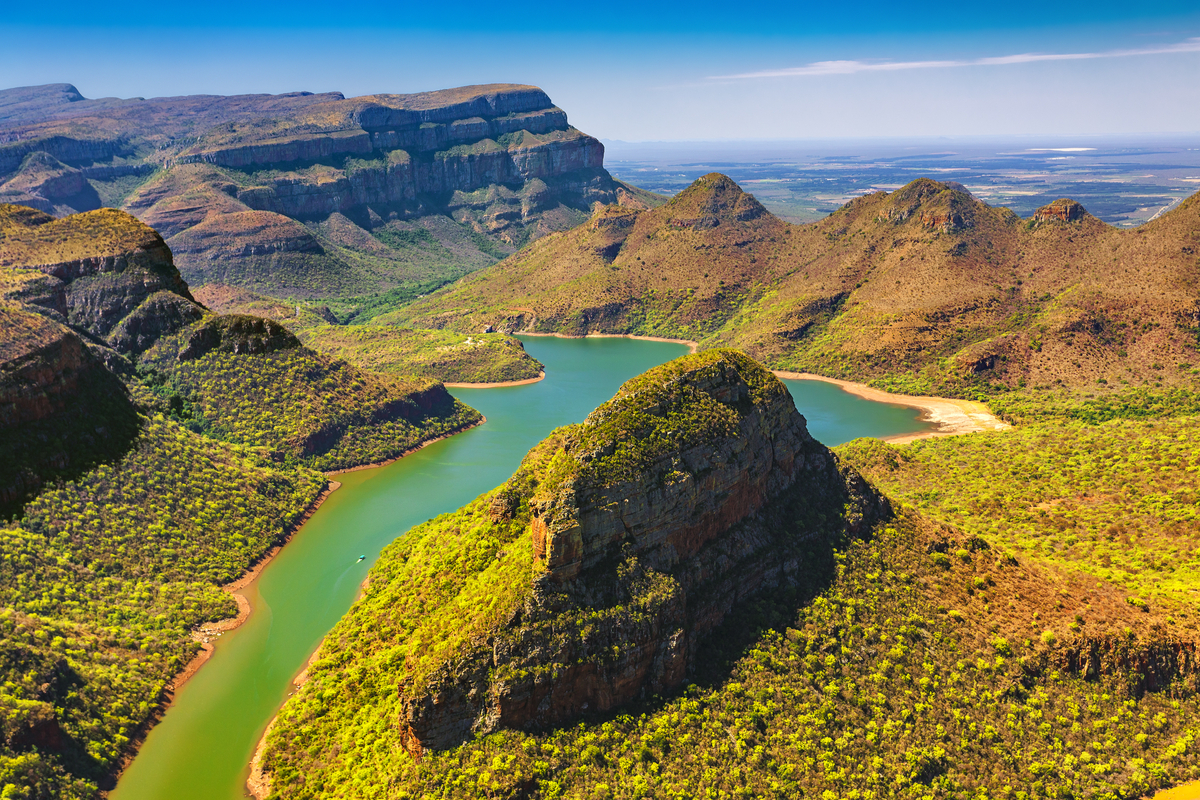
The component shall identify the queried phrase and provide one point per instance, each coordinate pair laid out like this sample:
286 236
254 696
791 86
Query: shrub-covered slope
1118 500
892 657
103 578
436 355
924 287
118 524
249 380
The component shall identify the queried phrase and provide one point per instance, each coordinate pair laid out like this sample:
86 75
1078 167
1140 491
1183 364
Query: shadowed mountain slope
925 285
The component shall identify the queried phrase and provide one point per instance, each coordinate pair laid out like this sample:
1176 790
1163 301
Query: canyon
313 195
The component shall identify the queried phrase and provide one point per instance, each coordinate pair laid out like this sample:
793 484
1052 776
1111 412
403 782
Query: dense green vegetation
656 414
102 580
435 355
1118 500
909 675
301 406
1134 404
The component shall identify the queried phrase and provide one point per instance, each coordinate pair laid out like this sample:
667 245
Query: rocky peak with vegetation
1061 210
670 463
103 272
595 574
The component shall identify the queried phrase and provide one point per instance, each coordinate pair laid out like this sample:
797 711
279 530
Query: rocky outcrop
100 267
237 333
160 315
41 363
1063 210
692 490
67 149
1152 665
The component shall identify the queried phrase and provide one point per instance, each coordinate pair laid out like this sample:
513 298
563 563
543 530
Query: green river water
202 747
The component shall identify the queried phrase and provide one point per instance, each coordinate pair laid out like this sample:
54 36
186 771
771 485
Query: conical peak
712 200
924 189
937 206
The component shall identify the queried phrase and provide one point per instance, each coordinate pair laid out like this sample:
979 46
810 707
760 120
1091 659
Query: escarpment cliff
594 575
501 161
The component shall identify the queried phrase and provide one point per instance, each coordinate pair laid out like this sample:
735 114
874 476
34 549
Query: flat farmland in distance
1124 181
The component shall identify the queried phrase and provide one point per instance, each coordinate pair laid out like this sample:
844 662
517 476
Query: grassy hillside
924 288
336 258
938 654
435 355
380 347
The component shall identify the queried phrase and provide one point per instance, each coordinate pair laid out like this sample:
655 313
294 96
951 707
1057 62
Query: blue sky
643 71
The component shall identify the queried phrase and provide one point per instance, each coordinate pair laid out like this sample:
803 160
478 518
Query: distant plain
1124 181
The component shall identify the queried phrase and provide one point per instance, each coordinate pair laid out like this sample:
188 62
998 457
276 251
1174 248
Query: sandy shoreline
207 633
692 346
525 382
1184 791
951 416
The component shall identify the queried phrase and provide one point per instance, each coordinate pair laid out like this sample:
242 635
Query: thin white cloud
818 68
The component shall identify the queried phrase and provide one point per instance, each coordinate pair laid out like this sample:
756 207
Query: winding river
202 747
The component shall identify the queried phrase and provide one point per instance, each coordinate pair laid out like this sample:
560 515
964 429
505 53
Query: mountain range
924 287
313 195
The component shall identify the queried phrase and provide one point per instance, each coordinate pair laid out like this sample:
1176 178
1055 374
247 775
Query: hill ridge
925 287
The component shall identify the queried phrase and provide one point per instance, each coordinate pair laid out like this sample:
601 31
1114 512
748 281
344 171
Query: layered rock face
693 489
676 504
1064 210
99 269
500 159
